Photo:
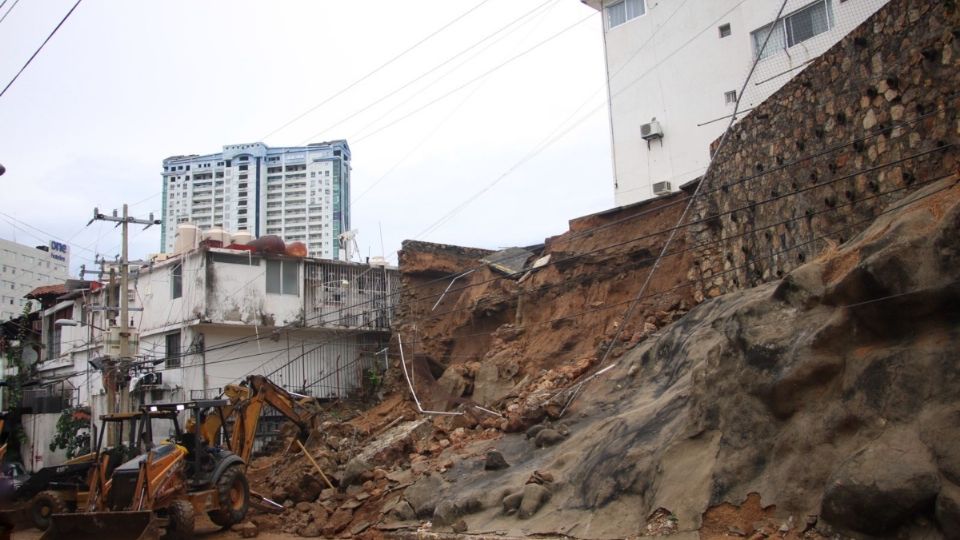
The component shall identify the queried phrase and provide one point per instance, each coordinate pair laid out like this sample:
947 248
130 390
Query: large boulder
882 486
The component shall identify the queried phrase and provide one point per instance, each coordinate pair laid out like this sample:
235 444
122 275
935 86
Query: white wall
40 429
675 67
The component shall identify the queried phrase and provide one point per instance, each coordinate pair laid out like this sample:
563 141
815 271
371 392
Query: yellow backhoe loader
161 491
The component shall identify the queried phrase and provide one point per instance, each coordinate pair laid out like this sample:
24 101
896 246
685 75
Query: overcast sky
496 146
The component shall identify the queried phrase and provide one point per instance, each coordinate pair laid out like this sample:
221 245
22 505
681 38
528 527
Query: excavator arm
247 408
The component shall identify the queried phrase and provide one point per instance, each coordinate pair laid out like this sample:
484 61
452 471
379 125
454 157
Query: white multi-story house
675 69
210 317
301 194
24 268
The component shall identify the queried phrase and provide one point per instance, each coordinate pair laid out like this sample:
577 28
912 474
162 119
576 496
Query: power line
477 78
13 5
428 72
34 55
377 69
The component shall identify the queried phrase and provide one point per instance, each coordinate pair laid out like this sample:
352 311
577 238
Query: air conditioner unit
651 131
662 188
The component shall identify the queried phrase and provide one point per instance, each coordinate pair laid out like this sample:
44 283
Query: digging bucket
138 525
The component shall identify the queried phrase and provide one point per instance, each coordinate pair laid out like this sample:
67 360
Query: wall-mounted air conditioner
662 188
651 131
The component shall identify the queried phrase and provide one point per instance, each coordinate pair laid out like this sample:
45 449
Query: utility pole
121 368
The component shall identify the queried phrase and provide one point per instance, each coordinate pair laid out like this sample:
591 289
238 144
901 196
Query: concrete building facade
675 70
210 317
24 268
301 194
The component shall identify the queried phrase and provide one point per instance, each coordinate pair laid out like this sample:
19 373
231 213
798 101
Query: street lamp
72 322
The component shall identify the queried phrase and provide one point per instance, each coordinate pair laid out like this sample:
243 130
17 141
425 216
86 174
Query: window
730 97
724 30
176 281
619 12
173 349
793 29
282 277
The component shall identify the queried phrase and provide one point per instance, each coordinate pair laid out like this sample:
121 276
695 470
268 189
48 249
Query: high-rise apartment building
24 268
301 193
675 71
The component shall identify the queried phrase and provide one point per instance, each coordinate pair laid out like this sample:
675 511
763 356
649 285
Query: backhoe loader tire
182 519
234 493
44 505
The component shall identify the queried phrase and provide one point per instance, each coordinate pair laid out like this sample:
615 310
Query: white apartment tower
24 268
675 70
301 194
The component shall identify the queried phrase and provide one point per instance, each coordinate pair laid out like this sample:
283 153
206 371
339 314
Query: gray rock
424 494
354 469
470 505
948 510
445 513
310 530
495 461
512 502
533 430
882 486
534 495
548 437
400 510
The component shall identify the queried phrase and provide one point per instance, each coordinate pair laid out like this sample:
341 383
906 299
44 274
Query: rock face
882 486
833 393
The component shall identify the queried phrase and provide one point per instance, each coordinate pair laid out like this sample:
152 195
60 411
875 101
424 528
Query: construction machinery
201 468
60 488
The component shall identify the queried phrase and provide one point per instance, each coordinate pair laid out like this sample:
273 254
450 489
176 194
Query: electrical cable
13 5
34 55
423 75
377 69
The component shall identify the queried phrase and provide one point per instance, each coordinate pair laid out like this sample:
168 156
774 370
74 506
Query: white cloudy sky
124 84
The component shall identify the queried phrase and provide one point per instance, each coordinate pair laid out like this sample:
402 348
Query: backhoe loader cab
161 490
63 488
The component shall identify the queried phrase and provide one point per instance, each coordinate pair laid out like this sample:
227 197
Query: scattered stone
512 502
303 507
495 461
288 503
460 526
337 522
246 529
540 477
310 530
733 531
423 495
328 493
359 527
362 496
445 513
548 437
400 510
534 495
533 430
351 504
470 505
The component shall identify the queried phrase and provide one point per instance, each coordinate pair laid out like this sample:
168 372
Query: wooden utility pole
120 367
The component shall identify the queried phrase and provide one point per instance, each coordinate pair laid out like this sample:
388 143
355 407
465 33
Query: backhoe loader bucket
125 525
